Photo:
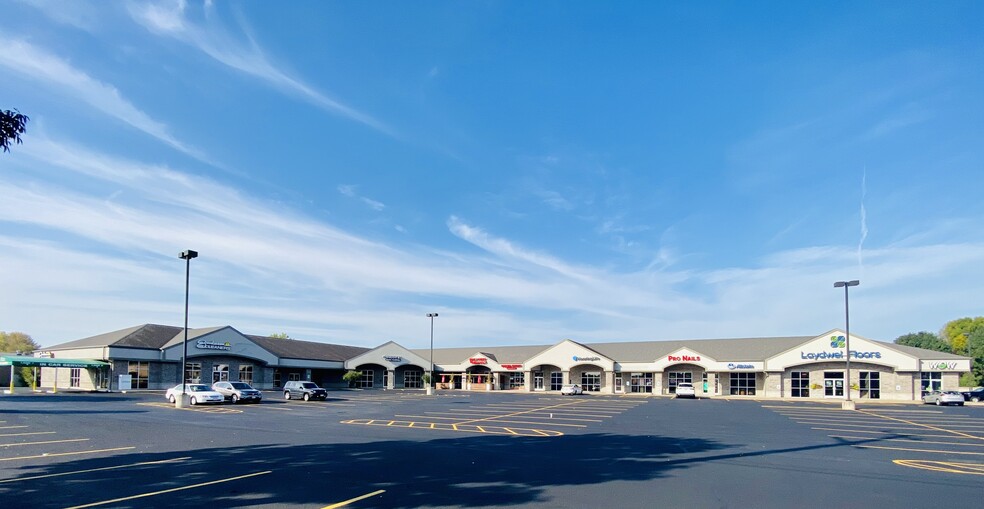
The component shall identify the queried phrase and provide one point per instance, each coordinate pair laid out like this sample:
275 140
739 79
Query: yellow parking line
356 499
172 490
944 466
918 450
143 463
911 425
53 454
927 426
45 442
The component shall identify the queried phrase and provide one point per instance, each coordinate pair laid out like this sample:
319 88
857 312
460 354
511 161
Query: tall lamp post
430 375
186 256
847 404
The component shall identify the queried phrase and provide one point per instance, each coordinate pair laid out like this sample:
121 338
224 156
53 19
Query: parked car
304 390
571 390
976 394
197 393
685 390
944 398
237 391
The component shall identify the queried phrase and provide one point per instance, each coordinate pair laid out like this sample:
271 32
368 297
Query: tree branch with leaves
12 125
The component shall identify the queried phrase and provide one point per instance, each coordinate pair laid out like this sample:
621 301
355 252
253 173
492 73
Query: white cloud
22 58
169 18
92 264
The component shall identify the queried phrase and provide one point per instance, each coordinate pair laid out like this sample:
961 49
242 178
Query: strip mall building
786 367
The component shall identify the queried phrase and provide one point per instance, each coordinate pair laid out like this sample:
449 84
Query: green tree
351 377
975 349
280 335
12 125
924 339
956 333
18 342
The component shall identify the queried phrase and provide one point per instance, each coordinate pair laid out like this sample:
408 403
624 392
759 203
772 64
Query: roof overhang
44 362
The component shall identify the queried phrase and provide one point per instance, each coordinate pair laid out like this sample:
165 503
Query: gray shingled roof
923 353
140 336
297 349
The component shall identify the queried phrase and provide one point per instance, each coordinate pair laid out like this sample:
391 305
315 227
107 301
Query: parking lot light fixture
848 404
186 256
430 374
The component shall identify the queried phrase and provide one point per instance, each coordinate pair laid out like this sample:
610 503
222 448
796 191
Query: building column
609 382
391 378
528 381
566 377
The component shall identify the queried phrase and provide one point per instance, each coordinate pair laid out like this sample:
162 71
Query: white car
197 393
571 389
685 390
944 398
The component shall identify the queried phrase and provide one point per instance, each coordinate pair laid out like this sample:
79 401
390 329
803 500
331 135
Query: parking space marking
944 466
356 499
172 490
911 426
28 433
12 427
918 450
513 414
449 426
196 408
882 432
62 474
54 454
926 425
503 421
15 444
908 440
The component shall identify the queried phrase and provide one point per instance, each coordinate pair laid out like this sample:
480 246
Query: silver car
944 398
237 391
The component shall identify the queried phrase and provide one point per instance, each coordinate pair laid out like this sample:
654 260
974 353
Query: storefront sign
212 345
732 365
939 366
586 359
393 358
820 356
478 360
684 358
512 366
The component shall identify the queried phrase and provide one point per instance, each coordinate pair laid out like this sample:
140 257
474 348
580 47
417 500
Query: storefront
790 367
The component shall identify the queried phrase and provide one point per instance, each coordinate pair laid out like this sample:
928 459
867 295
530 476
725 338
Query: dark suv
304 390
975 395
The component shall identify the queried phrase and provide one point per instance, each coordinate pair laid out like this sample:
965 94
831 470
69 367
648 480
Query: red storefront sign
478 360
512 366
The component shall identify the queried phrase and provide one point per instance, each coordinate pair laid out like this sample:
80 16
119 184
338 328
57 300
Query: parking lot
399 449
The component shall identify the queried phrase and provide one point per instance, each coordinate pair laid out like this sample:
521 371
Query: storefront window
75 377
517 380
556 380
413 379
800 384
140 373
246 373
276 378
591 381
679 377
193 373
743 384
641 382
931 382
870 384
366 381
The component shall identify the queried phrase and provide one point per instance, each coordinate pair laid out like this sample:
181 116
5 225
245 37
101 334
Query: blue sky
531 171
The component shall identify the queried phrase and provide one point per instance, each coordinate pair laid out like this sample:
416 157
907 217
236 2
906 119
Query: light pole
848 404
430 375
186 256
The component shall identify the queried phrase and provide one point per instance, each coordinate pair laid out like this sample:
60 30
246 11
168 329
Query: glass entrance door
618 383
833 384
538 381
220 373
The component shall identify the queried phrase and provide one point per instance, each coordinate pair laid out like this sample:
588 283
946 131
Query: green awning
46 362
